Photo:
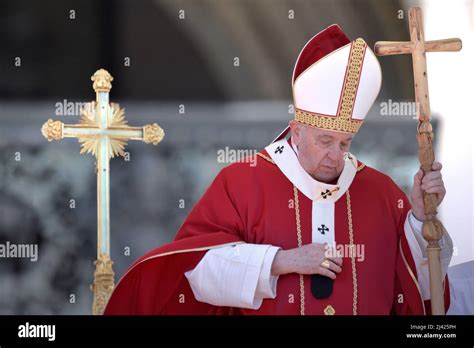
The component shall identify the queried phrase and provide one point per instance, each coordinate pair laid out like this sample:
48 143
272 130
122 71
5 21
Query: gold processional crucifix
432 228
103 132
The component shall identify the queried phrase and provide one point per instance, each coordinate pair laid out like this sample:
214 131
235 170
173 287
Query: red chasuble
257 204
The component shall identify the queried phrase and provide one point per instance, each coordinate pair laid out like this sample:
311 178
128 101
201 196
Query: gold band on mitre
342 121
328 122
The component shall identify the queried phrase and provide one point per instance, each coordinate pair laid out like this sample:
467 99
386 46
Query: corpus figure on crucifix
309 230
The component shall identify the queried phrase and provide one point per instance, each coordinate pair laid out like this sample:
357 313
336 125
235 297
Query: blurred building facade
212 73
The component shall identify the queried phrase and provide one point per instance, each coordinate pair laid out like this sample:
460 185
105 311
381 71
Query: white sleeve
418 245
235 276
461 287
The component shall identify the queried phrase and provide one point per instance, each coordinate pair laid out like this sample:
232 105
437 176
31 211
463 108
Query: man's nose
335 153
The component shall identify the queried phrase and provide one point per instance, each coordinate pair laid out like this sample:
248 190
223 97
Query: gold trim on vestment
329 310
265 157
300 244
412 275
353 252
352 248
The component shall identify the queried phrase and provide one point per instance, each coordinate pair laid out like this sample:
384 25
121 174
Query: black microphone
321 286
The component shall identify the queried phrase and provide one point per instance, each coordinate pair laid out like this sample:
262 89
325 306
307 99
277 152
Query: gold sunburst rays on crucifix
116 119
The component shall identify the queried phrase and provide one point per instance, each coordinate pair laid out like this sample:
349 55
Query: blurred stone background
176 64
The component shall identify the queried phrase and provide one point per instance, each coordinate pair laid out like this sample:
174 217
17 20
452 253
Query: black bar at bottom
86 330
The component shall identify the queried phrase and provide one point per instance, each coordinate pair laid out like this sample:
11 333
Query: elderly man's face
321 152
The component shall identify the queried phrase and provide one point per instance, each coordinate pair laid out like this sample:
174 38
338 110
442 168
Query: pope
309 229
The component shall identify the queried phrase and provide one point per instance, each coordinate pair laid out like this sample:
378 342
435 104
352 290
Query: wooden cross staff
432 228
102 132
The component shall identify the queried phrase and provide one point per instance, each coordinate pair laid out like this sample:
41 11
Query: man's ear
295 129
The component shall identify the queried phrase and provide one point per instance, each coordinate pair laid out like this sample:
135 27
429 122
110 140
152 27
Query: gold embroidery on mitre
343 121
352 79
334 123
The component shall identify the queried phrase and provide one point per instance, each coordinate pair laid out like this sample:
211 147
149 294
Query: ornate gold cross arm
56 130
104 133
417 47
